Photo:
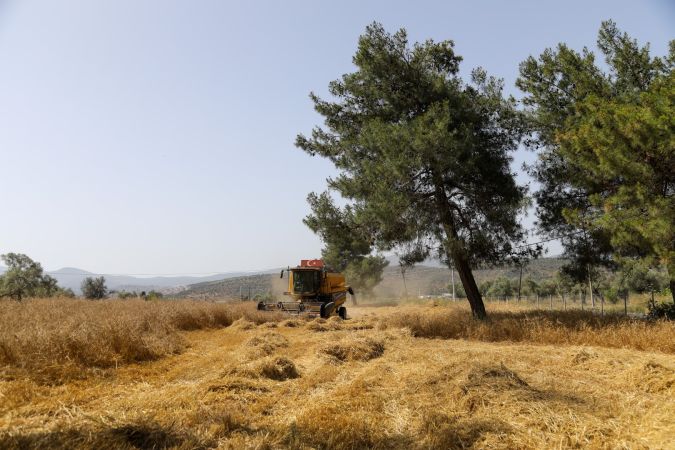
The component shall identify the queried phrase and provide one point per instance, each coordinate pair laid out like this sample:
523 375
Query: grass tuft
355 347
278 369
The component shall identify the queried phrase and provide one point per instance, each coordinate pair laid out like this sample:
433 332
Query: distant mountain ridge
430 278
72 277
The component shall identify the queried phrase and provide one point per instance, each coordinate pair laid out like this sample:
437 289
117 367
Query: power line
554 238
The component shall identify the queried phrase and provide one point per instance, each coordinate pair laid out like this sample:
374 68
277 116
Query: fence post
625 303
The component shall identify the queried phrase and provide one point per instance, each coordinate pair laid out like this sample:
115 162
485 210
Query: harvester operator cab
306 281
307 278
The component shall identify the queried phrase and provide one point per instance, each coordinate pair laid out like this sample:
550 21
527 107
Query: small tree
94 288
65 292
501 288
531 287
564 286
459 290
485 287
25 278
154 295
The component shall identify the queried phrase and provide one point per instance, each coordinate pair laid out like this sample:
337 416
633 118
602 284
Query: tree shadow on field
344 437
143 435
515 326
487 381
451 432
570 320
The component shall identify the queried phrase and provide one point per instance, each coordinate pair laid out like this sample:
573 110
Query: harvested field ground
386 378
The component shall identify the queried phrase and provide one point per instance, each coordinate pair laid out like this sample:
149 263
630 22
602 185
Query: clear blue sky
157 136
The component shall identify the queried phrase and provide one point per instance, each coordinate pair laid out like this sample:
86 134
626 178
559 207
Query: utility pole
520 281
590 287
625 302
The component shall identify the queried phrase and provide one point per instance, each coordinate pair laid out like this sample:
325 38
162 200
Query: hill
236 287
72 277
420 280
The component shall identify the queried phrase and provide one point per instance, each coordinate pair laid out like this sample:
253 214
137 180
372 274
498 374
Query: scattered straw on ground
382 386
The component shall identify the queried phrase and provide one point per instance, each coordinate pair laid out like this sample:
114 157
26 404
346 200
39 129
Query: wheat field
133 374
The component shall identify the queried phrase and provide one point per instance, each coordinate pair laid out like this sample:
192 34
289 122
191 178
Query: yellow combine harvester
315 290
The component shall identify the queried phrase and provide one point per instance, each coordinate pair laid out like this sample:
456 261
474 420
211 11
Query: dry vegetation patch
55 339
291 323
497 377
278 368
656 378
292 387
143 434
354 347
540 327
444 431
319 324
266 343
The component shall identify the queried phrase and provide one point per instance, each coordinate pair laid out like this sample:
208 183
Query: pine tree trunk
456 253
405 286
469 283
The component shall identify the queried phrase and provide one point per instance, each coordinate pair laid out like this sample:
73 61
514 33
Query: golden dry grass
513 324
364 383
57 338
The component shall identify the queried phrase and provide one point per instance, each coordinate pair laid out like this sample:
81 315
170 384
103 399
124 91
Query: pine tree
607 150
423 156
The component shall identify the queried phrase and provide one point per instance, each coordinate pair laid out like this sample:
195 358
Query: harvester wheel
342 312
327 309
261 306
